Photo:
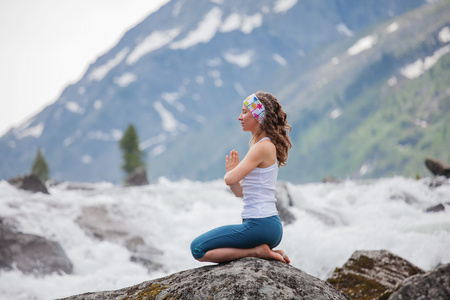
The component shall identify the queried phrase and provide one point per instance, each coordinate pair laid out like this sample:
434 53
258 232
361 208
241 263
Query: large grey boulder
434 285
31 253
372 274
248 278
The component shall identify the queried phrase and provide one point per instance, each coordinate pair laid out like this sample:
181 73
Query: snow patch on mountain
279 59
75 108
336 113
231 23
81 90
240 89
98 104
86 159
154 41
100 72
343 29
282 6
215 75
169 123
366 167
244 23
113 136
363 44
251 22
172 98
34 131
419 67
199 79
444 35
216 61
157 151
391 28
392 81
125 79
153 141
204 32
242 60
69 140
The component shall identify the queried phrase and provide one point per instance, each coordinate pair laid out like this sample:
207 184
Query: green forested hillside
365 117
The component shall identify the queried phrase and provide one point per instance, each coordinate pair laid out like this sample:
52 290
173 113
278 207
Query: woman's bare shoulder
267 150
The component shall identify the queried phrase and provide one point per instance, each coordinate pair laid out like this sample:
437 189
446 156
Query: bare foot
285 257
263 251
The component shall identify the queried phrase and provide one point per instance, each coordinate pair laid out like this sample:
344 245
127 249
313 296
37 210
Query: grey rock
31 253
148 257
436 208
96 221
404 196
29 183
284 201
144 254
434 285
437 167
437 181
248 278
330 179
137 178
371 274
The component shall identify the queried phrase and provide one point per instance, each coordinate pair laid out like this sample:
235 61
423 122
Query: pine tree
132 155
40 167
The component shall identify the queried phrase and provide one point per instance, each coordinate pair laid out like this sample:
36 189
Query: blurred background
100 94
365 85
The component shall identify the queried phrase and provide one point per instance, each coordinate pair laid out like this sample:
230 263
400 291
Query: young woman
253 178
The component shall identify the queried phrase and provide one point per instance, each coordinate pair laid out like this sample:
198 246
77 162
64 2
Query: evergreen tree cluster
40 167
133 161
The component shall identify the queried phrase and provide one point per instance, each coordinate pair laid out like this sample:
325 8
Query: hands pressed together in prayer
232 160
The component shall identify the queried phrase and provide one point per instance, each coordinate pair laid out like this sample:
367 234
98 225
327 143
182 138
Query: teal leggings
249 234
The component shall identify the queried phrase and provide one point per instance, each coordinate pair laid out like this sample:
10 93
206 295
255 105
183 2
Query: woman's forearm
237 189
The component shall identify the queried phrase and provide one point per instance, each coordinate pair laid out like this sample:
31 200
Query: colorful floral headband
256 107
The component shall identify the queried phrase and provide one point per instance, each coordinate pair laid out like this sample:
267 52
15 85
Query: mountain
355 79
376 105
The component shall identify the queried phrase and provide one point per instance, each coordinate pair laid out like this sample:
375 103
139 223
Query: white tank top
259 191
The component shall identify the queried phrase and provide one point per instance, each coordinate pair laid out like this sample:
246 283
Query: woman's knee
197 249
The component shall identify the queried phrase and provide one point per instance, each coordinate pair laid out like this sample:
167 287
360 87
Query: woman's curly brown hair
275 125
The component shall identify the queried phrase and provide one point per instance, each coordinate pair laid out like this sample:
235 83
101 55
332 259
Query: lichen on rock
247 278
372 274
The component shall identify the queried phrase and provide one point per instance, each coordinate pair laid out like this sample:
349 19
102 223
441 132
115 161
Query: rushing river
332 221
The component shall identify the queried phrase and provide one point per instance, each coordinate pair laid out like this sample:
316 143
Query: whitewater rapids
332 221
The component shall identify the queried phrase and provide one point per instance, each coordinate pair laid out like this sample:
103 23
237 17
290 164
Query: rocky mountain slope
363 84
